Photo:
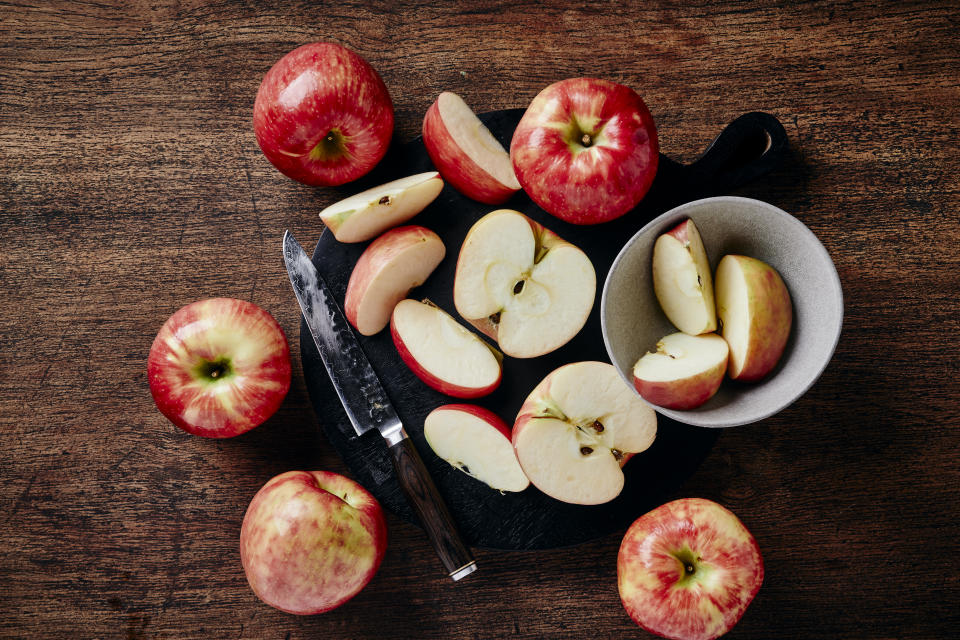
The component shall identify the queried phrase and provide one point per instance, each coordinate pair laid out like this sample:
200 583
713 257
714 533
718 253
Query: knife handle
423 496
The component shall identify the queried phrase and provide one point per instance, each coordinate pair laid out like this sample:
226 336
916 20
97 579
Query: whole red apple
219 367
310 541
688 570
323 116
586 150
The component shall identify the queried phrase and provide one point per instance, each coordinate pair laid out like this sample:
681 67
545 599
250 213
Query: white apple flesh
477 442
685 371
523 285
576 430
682 281
367 214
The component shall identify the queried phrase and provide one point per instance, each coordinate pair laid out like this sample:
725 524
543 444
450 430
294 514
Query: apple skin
661 595
310 541
323 116
586 184
483 413
238 342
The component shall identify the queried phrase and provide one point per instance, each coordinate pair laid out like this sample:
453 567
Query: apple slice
466 153
442 353
387 270
522 285
755 315
477 442
685 371
576 430
681 280
371 212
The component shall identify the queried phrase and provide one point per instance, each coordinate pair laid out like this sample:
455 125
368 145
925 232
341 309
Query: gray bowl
633 322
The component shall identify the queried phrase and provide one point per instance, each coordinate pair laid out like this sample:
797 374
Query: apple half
369 213
755 315
685 371
522 285
465 152
477 442
682 281
393 264
577 429
442 353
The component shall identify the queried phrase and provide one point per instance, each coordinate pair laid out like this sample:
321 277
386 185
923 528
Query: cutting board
746 149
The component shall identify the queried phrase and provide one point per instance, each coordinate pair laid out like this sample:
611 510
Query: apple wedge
369 213
465 152
684 372
522 285
442 353
576 430
387 270
477 442
682 281
755 315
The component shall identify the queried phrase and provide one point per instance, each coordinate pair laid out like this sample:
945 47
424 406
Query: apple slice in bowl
684 372
682 280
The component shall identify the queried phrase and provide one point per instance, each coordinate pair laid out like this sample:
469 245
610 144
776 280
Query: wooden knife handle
423 496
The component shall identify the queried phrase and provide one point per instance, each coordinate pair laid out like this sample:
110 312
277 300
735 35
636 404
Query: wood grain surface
131 184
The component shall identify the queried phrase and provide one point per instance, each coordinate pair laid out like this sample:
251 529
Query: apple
465 152
586 150
371 212
476 441
688 570
323 116
311 540
442 353
577 429
522 285
755 315
682 281
219 367
684 372
393 264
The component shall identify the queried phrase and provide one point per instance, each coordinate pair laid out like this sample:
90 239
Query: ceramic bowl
633 322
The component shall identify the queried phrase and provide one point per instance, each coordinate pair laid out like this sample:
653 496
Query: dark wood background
131 184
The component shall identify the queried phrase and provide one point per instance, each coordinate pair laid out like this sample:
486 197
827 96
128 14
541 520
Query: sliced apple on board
576 430
367 214
476 441
522 285
387 270
444 354
682 281
685 371
755 315
465 153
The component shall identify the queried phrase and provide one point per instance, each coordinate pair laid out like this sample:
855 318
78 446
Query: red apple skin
484 414
456 167
650 576
310 541
688 393
204 332
312 91
586 185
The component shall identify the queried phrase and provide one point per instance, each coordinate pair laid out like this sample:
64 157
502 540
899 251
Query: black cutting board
745 150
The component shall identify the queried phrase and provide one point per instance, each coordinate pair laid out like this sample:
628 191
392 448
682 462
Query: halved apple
387 270
371 212
685 371
476 441
442 353
466 153
522 285
681 280
576 430
755 315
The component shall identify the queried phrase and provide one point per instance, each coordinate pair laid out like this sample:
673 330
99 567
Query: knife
367 406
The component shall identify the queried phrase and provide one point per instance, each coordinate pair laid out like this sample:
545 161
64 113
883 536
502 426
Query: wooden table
131 184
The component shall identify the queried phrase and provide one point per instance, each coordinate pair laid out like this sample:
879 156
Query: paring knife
368 407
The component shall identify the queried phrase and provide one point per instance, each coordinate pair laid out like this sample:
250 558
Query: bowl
632 321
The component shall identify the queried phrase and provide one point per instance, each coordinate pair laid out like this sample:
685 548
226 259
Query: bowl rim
688 417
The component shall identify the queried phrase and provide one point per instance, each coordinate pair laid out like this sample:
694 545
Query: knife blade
368 407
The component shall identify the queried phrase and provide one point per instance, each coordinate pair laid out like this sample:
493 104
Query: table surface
131 184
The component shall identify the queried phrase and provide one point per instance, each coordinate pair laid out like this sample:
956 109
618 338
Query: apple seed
384 200
517 288
495 318
598 426
617 454
586 450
